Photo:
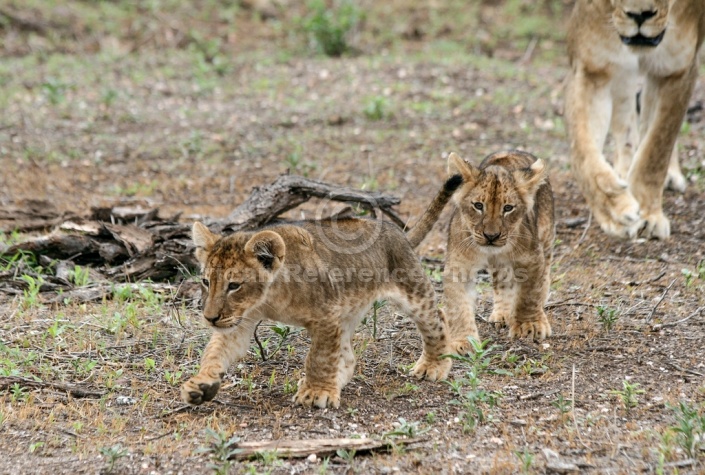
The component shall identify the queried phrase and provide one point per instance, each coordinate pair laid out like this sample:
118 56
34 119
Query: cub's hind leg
346 363
222 350
418 300
320 387
459 297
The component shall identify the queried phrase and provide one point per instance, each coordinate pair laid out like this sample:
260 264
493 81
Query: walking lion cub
503 222
321 275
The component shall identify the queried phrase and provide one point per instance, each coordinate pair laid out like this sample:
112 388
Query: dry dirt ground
189 109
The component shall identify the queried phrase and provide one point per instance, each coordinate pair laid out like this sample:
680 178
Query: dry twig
663 296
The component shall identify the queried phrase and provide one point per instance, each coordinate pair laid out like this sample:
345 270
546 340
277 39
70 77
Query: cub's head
641 23
493 200
237 271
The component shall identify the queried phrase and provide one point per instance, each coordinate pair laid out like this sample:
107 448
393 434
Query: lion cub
503 222
321 275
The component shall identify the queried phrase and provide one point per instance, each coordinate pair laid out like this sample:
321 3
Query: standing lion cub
321 275
503 222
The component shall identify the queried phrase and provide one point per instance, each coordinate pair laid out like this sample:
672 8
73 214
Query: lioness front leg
588 112
665 104
222 350
623 126
320 386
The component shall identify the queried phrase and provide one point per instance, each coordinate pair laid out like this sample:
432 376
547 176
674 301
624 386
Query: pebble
125 400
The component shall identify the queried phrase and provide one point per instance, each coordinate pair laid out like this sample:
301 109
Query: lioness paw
432 369
618 215
675 181
656 226
536 330
197 390
318 397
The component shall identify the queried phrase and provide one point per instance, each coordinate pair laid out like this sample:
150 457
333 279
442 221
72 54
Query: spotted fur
320 275
503 222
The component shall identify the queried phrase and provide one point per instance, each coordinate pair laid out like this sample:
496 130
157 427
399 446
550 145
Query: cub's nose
491 237
213 318
640 17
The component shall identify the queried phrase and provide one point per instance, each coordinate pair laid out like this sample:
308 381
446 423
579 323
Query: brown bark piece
321 447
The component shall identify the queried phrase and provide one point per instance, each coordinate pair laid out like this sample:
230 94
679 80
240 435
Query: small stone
557 466
550 454
311 458
125 401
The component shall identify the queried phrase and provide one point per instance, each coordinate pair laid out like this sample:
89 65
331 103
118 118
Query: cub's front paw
462 346
499 318
432 369
198 390
537 330
308 395
657 226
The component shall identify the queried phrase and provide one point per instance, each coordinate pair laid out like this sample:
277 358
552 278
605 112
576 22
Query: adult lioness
322 275
614 45
503 222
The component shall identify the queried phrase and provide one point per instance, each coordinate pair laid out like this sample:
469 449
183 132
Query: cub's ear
458 166
204 240
530 179
268 248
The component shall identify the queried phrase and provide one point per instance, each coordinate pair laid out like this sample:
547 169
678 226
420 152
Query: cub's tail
432 213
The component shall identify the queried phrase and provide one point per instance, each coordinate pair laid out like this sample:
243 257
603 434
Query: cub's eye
478 206
508 208
233 286
205 282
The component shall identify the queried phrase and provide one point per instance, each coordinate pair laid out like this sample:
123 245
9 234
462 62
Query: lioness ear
268 248
530 179
204 240
458 166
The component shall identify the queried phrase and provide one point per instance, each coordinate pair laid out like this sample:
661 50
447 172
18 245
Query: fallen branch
572 409
75 391
532 396
23 23
650 281
289 191
673 324
684 370
320 447
131 242
663 296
